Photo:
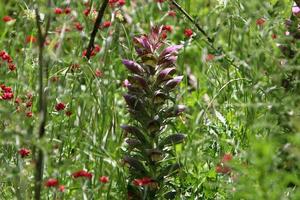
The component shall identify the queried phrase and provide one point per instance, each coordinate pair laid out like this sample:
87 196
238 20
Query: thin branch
192 20
42 102
96 27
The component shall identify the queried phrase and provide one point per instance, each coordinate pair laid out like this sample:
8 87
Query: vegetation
91 108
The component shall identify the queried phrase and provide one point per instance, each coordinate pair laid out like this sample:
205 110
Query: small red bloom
30 39
58 11
274 36
51 182
68 113
82 173
18 100
172 13
142 181
260 21
61 188
160 1
7 18
226 158
209 57
29 104
188 32
97 48
60 106
67 10
24 152
223 169
104 179
122 2
87 11
78 26
106 24
98 73
7 96
11 67
164 35
167 28
29 114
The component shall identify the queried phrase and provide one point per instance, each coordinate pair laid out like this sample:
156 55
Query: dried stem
96 27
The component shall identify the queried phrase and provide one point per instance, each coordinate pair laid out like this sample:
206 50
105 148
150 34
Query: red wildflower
78 26
68 113
106 24
226 158
11 67
222 169
87 11
260 21
67 10
51 182
82 173
104 179
29 104
188 32
172 13
209 57
97 48
274 36
98 73
61 188
24 152
18 100
122 2
60 106
164 35
7 96
7 18
30 39
142 181
58 11
29 114
160 1
167 28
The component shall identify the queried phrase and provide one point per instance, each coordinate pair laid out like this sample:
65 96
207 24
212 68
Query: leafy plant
151 101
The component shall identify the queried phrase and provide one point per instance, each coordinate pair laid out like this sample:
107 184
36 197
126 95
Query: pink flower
24 152
52 182
60 106
98 73
82 173
296 10
61 188
104 179
188 32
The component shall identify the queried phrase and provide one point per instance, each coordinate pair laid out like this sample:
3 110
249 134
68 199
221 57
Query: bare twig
42 101
96 27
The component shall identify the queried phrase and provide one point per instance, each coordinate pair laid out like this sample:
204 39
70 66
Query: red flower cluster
167 28
60 11
25 104
113 3
7 58
96 50
82 173
142 182
223 167
78 26
24 152
7 93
